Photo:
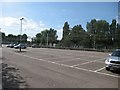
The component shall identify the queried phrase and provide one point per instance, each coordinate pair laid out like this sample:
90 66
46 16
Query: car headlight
107 60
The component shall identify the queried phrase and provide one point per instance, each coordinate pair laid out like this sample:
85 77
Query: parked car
113 61
10 45
35 46
23 46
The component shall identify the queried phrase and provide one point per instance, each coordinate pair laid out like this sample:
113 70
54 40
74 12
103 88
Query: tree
10 38
65 42
91 26
113 29
52 36
24 38
45 36
99 33
65 30
117 36
3 37
102 33
38 38
91 32
77 35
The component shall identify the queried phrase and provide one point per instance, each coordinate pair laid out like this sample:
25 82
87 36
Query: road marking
57 58
87 62
73 59
69 66
99 69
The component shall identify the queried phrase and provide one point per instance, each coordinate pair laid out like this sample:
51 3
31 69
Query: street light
47 39
94 42
93 35
20 33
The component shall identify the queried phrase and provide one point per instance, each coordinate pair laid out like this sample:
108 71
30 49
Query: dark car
23 46
35 46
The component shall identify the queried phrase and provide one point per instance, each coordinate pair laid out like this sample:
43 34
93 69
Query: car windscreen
116 54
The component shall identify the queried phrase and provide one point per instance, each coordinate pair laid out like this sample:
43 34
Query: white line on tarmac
87 62
72 59
67 65
99 69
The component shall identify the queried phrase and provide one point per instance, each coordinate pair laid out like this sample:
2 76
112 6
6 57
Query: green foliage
104 35
100 34
24 38
10 38
50 35
65 30
38 38
76 35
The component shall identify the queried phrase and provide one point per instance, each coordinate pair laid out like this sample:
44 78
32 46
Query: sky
39 16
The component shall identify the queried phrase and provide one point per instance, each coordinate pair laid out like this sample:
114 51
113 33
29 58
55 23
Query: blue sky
54 14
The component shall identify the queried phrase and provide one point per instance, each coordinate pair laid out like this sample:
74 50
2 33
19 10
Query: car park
113 61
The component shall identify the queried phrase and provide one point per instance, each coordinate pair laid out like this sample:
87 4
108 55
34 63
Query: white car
23 46
113 61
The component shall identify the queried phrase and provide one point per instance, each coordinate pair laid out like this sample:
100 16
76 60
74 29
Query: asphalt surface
56 68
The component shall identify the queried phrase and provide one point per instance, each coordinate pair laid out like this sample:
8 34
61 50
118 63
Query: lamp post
47 39
94 42
90 40
20 33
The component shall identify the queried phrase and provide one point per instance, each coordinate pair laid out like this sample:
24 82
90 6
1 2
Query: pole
20 33
94 42
47 39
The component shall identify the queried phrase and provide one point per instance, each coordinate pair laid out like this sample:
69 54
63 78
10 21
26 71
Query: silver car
113 61
23 46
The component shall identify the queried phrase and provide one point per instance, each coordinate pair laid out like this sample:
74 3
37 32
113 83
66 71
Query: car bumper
113 67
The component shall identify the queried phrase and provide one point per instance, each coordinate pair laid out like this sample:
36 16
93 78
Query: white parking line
99 69
115 76
73 59
87 62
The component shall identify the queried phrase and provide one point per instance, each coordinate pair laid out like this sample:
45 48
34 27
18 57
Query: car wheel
107 68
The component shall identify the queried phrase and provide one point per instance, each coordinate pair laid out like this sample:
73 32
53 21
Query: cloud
12 25
8 21
59 32
98 19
